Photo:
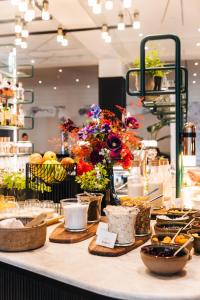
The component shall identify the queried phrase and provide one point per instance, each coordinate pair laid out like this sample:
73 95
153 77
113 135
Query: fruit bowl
159 259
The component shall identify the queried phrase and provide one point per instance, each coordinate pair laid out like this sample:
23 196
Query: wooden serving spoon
183 246
36 221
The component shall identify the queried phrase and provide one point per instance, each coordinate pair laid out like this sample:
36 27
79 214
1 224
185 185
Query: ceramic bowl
158 239
165 228
179 212
167 264
172 219
196 235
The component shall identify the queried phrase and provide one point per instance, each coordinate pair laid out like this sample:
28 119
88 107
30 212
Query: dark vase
111 197
157 83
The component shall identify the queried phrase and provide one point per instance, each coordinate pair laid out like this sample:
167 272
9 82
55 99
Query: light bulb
109 4
25 32
23 6
108 39
60 35
127 3
91 2
18 25
121 25
104 31
24 44
97 8
15 2
18 39
30 13
65 41
136 21
45 11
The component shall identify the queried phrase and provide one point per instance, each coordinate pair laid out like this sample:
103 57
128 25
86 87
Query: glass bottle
166 177
155 182
7 116
135 183
21 118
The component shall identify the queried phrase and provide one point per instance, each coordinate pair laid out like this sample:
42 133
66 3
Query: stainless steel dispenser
189 144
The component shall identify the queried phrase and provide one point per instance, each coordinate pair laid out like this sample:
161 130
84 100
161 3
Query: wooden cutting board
117 251
60 235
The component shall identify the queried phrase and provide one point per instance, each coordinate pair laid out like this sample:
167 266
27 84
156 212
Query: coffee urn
189 145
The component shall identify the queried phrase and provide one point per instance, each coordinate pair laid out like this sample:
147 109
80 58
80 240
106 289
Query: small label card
102 227
106 239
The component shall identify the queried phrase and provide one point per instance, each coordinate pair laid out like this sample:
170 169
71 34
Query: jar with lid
155 181
135 182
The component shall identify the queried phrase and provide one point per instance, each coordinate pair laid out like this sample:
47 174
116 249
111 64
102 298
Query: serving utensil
37 220
183 246
174 237
155 198
188 224
189 211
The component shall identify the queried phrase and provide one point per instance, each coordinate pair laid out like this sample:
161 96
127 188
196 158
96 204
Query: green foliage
94 180
152 59
155 128
14 180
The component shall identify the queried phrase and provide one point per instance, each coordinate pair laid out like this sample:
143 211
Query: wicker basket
22 239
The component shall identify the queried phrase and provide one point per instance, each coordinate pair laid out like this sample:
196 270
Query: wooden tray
60 235
117 251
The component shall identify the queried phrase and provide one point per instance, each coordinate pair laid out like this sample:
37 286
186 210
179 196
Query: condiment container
75 214
121 220
94 200
135 183
155 182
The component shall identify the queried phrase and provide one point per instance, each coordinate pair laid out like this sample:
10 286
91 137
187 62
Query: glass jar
135 183
94 210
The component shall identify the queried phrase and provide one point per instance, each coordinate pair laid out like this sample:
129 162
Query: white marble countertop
122 277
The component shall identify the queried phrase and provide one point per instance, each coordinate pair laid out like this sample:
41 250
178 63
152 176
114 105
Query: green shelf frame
20 74
180 91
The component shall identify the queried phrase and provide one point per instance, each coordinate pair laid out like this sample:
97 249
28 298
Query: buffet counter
68 271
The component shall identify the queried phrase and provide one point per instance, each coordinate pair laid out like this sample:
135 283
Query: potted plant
14 183
153 78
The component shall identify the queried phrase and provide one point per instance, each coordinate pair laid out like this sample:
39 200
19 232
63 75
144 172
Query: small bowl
171 219
165 228
166 265
179 212
160 238
196 235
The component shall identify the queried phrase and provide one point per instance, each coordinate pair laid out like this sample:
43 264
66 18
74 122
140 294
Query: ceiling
180 17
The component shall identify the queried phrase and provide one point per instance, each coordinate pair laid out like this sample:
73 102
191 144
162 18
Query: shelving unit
171 111
15 73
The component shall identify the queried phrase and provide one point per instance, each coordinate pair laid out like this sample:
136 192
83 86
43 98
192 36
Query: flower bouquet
103 142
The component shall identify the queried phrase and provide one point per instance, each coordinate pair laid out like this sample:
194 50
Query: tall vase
111 197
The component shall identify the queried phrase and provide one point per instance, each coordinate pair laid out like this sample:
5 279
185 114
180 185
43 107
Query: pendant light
23 6
30 13
24 32
59 34
65 41
24 44
121 24
18 24
104 31
127 3
18 39
45 11
136 20
97 9
109 4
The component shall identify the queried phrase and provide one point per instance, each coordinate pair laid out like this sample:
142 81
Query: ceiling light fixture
32 61
97 9
55 88
18 24
24 32
45 11
104 31
18 39
109 4
59 34
60 70
198 44
30 13
140 34
108 39
77 79
193 81
88 86
196 63
121 24
65 41
40 81
136 19
194 74
23 6
127 3
24 44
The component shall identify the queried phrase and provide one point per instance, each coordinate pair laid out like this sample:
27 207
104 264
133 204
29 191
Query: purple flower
94 111
114 143
131 122
95 157
105 128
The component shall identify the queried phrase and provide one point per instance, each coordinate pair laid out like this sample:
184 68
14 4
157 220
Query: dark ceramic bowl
165 228
166 264
196 235
172 219
180 212
158 239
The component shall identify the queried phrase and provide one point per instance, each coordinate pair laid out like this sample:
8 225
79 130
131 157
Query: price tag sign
102 227
106 239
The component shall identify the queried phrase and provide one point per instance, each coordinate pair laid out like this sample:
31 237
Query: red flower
84 167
